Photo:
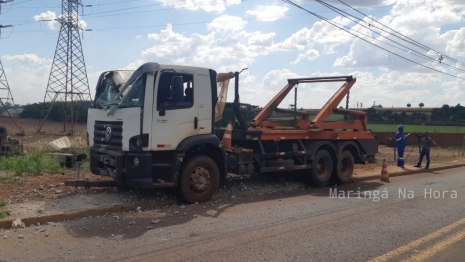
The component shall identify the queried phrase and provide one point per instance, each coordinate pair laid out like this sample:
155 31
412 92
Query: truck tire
200 179
322 168
345 167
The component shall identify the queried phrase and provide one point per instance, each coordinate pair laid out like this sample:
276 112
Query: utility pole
68 85
3 2
6 97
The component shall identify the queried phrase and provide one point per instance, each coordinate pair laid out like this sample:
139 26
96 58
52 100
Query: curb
412 172
76 214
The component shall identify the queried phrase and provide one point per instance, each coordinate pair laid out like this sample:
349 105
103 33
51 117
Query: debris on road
155 221
17 223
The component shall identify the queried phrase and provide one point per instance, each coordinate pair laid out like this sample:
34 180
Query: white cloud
225 52
29 58
213 6
310 54
362 3
228 45
452 93
321 33
134 65
261 39
226 23
268 13
456 45
53 24
27 76
49 15
424 27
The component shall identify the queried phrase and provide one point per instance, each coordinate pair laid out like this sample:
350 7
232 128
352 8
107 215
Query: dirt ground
50 186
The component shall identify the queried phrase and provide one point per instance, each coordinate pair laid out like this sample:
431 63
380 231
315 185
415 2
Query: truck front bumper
132 169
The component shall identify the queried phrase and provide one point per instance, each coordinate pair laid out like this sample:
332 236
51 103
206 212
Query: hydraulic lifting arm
329 108
272 105
332 103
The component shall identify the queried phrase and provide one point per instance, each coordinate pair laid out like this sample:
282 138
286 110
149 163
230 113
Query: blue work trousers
400 155
424 152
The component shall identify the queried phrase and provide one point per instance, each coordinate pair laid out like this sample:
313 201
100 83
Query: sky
273 39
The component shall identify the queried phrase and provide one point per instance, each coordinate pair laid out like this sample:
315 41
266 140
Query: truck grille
100 135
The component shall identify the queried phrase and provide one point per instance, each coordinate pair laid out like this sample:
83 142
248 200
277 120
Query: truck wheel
345 167
200 179
322 168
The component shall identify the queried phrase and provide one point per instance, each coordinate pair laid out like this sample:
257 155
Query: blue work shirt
400 139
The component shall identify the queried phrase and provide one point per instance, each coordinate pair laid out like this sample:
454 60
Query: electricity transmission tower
68 86
6 98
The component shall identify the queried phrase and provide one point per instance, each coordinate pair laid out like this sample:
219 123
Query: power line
412 41
458 12
416 53
12 4
329 21
190 23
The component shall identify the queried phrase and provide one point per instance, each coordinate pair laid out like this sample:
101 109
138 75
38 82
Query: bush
4 213
34 163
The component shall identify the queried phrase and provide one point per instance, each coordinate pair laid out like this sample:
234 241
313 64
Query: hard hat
400 127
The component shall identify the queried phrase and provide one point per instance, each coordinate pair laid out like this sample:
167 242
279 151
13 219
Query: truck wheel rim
200 179
344 165
321 169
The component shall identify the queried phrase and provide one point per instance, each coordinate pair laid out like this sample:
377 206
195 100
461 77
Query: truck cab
146 124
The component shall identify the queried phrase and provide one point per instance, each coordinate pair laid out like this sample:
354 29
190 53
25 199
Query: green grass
392 127
329 118
416 128
4 213
34 163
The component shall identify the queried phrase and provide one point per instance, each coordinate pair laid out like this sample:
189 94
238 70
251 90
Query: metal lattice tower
7 97
5 93
68 83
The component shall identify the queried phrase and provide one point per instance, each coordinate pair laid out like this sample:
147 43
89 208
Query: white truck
156 127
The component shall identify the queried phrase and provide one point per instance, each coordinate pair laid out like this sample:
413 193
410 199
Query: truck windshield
133 96
109 87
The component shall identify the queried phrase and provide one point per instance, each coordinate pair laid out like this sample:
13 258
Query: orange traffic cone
384 173
227 136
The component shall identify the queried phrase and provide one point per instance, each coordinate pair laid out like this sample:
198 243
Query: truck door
176 111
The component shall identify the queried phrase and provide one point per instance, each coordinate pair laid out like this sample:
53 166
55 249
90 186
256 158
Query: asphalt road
401 220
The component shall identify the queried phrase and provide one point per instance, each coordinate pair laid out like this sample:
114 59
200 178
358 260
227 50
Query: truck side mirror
177 85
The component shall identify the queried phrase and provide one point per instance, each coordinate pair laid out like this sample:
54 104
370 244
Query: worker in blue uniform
400 144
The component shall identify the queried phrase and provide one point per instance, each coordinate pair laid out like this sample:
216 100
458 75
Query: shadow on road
132 225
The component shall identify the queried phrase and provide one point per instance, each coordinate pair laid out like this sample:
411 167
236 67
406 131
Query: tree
421 105
409 105
403 116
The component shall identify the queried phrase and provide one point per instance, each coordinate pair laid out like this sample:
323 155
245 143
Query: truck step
286 154
284 168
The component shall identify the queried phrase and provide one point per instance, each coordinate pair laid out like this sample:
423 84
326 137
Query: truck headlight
136 161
